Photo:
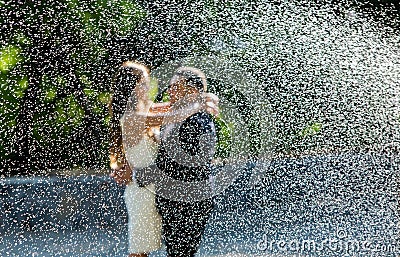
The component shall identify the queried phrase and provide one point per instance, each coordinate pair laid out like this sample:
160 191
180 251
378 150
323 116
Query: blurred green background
57 59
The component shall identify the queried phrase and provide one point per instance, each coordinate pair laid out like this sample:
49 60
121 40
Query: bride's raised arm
163 113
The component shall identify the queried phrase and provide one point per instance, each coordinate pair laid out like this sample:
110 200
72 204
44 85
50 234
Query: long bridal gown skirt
144 221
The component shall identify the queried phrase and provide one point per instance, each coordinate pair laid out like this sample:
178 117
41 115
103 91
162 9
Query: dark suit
183 221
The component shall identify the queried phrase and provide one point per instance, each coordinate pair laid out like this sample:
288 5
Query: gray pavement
315 206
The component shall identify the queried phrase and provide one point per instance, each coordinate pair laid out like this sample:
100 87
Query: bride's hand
211 103
122 175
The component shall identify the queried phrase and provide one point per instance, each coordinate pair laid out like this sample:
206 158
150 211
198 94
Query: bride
134 128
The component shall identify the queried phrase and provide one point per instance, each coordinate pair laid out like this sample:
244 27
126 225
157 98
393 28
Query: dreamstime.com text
336 245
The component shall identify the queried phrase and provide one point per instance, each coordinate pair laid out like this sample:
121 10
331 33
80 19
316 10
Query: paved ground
325 206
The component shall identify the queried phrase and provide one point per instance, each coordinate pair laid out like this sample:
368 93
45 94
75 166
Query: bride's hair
127 77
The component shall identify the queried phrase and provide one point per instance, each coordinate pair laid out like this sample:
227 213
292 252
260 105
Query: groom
184 157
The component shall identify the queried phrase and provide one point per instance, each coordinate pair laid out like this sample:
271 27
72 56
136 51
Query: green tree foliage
56 64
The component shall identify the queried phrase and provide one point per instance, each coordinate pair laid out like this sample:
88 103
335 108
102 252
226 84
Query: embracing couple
162 152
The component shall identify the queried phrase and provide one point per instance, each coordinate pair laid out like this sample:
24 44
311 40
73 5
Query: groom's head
186 81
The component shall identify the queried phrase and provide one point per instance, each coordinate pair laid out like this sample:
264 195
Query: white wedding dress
144 221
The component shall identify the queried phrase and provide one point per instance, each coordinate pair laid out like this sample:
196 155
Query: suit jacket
185 152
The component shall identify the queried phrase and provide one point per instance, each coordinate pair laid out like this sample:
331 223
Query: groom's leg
169 221
195 222
183 225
